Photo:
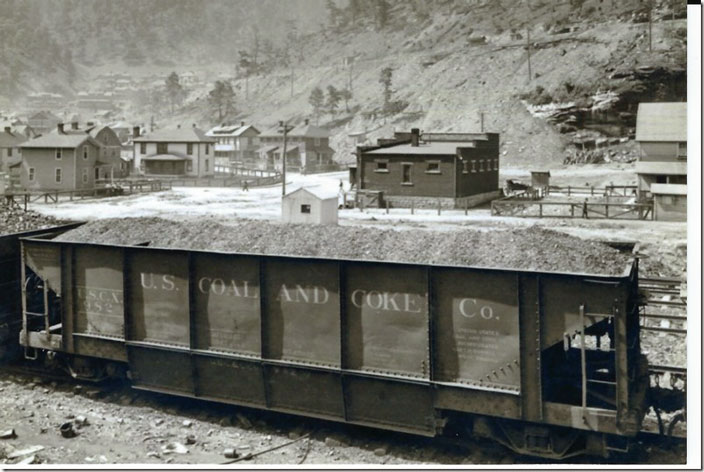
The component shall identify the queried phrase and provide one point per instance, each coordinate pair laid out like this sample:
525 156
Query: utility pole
481 120
284 128
650 26
530 73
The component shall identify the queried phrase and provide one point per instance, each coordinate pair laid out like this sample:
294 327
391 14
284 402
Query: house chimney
8 130
415 137
74 125
60 127
91 123
194 125
306 121
135 132
241 123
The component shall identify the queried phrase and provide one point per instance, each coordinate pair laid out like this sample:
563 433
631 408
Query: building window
84 175
9 152
189 149
496 164
85 152
682 150
382 166
57 175
481 165
58 154
474 165
406 174
207 165
97 173
31 174
207 148
433 167
305 208
189 166
316 141
162 148
465 167
142 148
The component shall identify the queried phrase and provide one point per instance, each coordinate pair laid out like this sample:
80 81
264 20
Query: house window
382 166
97 173
162 148
85 152
207 148
142 148
316 141
682 150
305 208
31 174
9 152
474 165
207 165
58 154
189 149
433 167
406 174
84 175
57 175
189 166
465 167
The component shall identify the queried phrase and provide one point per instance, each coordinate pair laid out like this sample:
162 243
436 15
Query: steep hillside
453 64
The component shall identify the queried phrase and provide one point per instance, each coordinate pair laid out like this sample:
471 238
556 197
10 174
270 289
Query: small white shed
310 206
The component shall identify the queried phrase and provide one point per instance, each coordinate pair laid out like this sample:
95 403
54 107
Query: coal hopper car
546 363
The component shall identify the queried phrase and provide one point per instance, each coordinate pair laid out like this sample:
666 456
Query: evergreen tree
333 100
317 100
174 90
346 95
222 99
382 8
385 80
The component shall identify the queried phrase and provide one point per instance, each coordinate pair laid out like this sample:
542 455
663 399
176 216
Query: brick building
455 169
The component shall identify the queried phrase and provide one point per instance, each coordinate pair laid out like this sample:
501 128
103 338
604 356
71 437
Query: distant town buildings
414 169
43 121
236 145
661 131
307 149
178 151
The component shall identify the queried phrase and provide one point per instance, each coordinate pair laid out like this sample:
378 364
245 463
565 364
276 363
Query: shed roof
661 168
423 149
662 122
175 135
317 192
59 141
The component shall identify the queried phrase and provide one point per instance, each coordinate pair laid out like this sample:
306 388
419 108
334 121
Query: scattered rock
158 421
187 423
24 452
243 421
67 430
380 451
174 448
82 421
231 453
28 460
190 439
332 442
8 434
153 454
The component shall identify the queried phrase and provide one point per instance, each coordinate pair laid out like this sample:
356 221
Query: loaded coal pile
16 220
530 249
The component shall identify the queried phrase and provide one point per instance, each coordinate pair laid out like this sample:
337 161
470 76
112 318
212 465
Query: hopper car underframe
547 363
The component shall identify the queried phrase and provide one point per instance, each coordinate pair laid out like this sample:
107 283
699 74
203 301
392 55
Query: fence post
540 206
606 208
439 206
413 206
387 206
26 200
466 205
572 210
592 187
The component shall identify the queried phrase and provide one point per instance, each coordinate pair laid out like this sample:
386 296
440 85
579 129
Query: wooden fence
553 209
609 190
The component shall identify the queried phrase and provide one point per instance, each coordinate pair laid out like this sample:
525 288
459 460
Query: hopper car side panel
384 344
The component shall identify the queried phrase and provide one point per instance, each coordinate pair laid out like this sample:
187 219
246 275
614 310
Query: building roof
317 192
175 135
300 131
230 130
267 149
59 141
11 139
662 122
668 189
423 149
661 168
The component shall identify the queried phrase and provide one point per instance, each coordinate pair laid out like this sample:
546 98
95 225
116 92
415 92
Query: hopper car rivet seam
416 352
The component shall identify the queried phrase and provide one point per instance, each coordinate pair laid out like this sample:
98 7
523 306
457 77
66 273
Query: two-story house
307 148
235 144
661 131
60 161
110 152
177 151
10 151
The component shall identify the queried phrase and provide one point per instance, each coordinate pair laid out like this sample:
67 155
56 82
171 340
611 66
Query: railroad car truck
546 363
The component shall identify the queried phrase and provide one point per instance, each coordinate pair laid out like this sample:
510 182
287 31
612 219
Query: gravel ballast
528 249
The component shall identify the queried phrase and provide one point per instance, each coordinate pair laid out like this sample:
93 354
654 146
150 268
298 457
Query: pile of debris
16 220
533 248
